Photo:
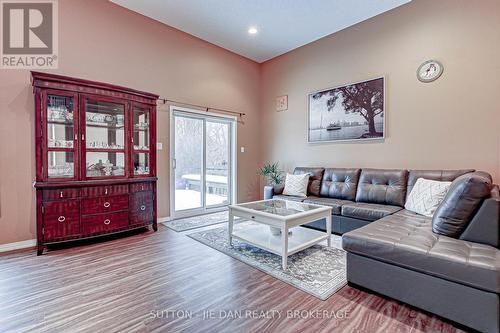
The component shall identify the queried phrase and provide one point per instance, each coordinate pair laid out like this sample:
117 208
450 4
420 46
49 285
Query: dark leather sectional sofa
405 255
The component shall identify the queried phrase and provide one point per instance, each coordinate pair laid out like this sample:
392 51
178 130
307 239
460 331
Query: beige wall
104 42
451 123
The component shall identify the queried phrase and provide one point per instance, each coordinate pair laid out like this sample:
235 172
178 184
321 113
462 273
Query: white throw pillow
296 185
426 196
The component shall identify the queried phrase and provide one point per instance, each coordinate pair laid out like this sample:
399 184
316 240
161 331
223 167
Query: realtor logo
29 34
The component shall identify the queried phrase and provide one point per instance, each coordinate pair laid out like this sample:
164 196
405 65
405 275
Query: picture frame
343 113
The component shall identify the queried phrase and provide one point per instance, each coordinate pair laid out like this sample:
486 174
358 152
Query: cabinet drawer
140 217
141 201
104 204
100 191
141 187
60 219
60 194
104 222
142 209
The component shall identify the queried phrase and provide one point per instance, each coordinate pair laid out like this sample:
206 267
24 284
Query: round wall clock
429 71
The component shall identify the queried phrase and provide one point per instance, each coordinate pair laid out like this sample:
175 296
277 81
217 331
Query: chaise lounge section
405 255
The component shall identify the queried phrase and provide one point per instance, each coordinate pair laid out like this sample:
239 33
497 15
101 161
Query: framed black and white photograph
351 112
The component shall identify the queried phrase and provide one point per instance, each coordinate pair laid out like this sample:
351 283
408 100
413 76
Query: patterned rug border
191 228
280 275
169 224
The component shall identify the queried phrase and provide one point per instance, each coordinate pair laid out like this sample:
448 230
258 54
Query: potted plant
274 176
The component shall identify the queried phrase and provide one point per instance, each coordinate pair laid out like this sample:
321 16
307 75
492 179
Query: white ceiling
283 25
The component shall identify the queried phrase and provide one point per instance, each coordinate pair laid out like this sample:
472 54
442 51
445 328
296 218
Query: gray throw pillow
464 197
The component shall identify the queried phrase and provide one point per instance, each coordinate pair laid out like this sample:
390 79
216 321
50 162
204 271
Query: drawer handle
106 222
61 194
106 191
142 187
143 207
61 219
107 204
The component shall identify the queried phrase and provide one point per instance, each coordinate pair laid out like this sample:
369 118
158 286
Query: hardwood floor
129 284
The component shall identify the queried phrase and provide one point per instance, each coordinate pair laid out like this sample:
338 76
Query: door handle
174 163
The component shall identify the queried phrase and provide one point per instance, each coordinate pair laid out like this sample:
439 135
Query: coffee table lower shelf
261 237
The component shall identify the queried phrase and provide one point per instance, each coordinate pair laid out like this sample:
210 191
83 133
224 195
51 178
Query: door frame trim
233 167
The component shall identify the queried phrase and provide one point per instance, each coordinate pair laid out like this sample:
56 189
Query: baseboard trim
163 220
32 242
18 245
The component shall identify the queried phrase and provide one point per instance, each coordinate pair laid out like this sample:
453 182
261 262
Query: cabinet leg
39 250
155 226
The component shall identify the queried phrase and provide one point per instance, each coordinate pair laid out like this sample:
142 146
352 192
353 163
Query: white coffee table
283 215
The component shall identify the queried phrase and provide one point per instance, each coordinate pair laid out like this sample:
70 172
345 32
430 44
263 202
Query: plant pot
268 192
277 231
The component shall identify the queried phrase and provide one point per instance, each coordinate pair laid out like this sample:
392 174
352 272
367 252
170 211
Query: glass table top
280 207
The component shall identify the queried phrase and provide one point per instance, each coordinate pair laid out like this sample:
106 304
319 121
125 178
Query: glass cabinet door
104 138
141 137
60 136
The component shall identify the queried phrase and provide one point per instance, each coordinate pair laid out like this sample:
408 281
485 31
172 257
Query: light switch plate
159 145
282 103
242 149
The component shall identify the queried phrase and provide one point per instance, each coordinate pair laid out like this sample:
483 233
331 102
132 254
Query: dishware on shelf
59 114
60 170
141 170
104 145
141 126
60 143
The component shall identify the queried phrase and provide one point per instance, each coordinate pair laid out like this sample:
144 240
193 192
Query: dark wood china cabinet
95 158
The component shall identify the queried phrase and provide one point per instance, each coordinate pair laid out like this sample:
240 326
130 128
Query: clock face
429 71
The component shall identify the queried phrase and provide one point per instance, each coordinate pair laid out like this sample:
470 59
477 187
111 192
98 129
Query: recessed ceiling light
252 31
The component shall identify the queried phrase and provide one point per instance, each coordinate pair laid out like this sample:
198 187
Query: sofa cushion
315 177
288 197
408 241
463 199
426 196
386 187
408 213
485 225
336 204
296 185
340 183
439 175
367 211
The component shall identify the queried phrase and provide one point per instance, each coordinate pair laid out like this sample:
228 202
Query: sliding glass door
218 162
188 163
202 162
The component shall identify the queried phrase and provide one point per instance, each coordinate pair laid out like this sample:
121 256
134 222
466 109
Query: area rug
318 270
199 221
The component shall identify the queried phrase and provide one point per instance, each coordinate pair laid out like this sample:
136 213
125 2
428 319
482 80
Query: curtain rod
205 108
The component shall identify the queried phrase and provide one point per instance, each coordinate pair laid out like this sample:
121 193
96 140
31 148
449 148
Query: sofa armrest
485 225
270 191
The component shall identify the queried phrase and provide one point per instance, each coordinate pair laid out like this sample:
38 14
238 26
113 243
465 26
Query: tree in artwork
365 99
